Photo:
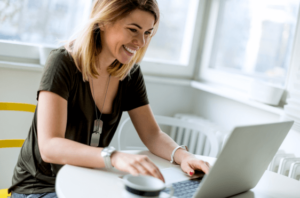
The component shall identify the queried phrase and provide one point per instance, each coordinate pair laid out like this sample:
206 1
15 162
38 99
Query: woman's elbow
45 151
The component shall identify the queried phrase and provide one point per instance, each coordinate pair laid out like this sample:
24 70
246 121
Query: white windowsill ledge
167 80
236 96
21 66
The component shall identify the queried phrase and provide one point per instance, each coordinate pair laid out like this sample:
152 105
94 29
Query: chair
173 122
9 106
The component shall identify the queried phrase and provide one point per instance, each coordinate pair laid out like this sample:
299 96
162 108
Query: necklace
98 123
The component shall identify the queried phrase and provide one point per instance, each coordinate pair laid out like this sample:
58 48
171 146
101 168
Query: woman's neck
105 59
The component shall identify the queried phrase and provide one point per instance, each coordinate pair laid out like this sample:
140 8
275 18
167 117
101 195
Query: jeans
42 195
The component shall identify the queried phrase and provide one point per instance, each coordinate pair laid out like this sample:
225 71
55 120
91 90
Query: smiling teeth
129 50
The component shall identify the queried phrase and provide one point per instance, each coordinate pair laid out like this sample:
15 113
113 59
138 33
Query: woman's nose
140 40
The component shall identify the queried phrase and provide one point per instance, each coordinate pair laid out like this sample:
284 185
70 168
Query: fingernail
191 173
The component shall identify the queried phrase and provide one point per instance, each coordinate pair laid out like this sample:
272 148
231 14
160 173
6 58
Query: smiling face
122 39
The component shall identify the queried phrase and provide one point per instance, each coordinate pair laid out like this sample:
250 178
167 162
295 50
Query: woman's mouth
130 51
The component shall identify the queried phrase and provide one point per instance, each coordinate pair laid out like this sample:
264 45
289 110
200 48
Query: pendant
98 125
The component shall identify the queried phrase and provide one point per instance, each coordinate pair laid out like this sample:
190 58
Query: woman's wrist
181 154
113 157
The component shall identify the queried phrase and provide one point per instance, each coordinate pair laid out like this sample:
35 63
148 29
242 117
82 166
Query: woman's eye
148 33
132 30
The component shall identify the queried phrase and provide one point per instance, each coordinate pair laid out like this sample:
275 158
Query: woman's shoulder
60 59
59 74
60 54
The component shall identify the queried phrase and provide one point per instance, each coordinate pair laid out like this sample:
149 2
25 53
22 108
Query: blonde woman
86 86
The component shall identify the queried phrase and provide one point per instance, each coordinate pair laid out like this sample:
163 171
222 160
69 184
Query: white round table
79 182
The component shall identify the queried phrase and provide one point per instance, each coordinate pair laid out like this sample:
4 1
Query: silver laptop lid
243 160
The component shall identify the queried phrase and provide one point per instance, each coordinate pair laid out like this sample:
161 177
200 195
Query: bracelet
172 155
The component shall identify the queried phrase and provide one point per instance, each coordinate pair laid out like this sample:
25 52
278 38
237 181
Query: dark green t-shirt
61 76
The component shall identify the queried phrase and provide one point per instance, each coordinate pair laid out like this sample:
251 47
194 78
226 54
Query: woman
93 74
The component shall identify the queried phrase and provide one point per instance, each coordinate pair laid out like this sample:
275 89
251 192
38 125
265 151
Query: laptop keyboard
184 189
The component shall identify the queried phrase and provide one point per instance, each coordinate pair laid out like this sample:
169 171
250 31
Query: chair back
13 143
12 106
174 122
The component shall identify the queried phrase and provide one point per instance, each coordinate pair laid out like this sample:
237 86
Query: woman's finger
151 167
207 164
141 169
203 166
152 170
133 171
197 164
157 169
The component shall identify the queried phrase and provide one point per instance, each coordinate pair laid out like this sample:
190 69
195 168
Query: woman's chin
124 60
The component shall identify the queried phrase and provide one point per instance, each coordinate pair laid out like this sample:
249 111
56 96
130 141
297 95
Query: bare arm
158 142
51 127
54 148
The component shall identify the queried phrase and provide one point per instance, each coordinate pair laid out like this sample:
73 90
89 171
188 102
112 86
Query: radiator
195 140
286 164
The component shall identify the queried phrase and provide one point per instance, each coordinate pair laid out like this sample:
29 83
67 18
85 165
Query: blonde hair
87 44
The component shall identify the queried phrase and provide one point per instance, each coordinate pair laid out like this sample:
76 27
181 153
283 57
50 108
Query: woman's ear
101 27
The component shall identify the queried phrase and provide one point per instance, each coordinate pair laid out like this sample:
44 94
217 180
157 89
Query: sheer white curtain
292 109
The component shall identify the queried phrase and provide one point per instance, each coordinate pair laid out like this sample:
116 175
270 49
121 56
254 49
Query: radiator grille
286 164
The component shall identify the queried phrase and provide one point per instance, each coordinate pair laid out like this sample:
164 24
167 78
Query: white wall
228 113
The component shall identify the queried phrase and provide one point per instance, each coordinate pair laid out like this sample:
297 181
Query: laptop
238 168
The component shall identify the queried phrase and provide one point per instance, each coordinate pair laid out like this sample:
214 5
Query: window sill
21 66
167 80
236 96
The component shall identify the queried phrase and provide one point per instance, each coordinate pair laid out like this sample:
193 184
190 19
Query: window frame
171 68
21 56
19 50
209 75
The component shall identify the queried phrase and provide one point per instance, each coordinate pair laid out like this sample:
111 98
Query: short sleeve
136 93
58 74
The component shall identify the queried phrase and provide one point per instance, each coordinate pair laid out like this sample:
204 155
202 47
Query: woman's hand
135 164
190 163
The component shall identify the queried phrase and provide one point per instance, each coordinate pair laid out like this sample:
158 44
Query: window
172 51
41 22
250 39
174 37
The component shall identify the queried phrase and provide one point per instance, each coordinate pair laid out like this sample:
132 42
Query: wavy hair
87 44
